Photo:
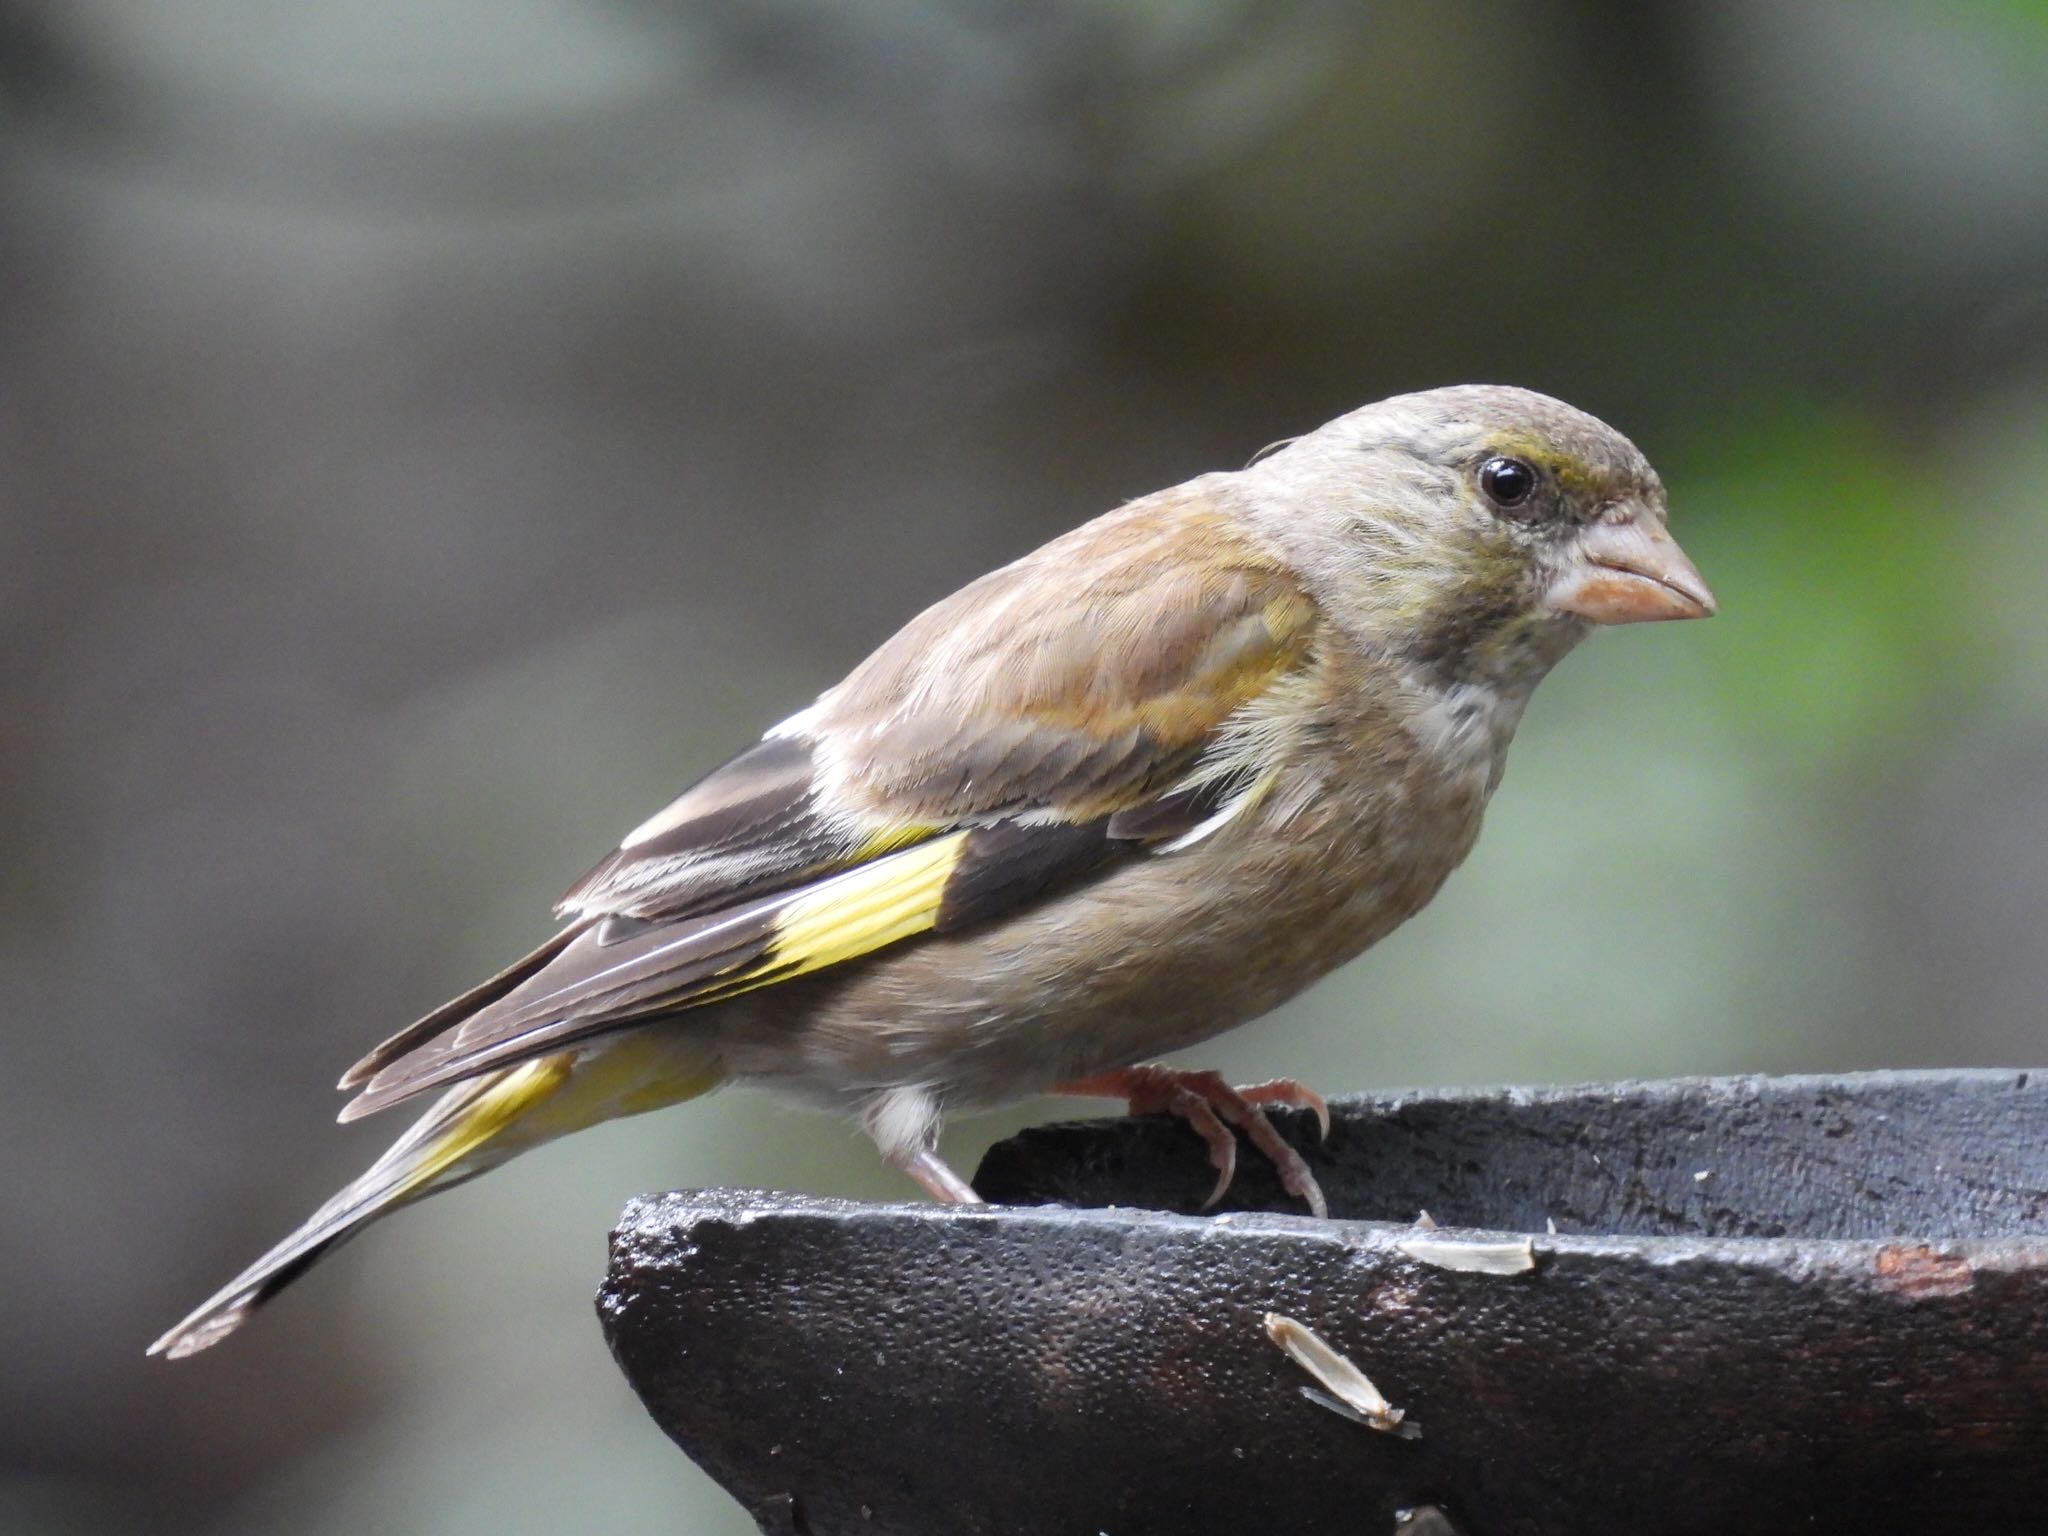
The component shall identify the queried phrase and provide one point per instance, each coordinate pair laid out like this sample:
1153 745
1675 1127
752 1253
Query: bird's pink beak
1629 573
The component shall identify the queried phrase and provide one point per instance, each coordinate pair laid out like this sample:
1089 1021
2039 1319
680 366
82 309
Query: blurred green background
432 433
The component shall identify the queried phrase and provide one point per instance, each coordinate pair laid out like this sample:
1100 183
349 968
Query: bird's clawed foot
1212 1107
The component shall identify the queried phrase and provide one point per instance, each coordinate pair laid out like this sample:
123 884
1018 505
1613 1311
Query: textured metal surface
1813 1305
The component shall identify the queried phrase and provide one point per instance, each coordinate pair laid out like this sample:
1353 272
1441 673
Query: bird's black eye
1507 482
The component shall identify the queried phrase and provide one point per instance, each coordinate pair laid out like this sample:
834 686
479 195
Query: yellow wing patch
865 909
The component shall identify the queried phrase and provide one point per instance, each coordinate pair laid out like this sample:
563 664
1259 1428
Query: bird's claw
1289 1094
1211 1106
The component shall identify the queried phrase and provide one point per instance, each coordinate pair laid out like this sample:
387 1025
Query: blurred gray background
430 434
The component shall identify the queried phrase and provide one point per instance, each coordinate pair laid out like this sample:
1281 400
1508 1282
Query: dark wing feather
1177 813
1006 866
454 1011
748 828
589 985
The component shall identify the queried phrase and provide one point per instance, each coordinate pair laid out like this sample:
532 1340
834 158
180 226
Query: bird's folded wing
1069 709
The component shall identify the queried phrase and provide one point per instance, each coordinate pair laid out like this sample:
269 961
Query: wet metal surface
1813 1305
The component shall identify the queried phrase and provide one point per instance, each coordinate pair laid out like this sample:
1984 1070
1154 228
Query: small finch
1123 794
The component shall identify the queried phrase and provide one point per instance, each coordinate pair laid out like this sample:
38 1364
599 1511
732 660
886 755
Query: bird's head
1476 531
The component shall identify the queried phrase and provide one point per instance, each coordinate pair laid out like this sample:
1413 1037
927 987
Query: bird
1127 792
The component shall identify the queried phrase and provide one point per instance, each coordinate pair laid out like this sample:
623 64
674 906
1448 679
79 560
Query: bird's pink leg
1211 1106
939 1180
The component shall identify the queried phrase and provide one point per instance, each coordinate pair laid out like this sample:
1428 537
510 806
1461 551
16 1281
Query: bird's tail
473 1127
